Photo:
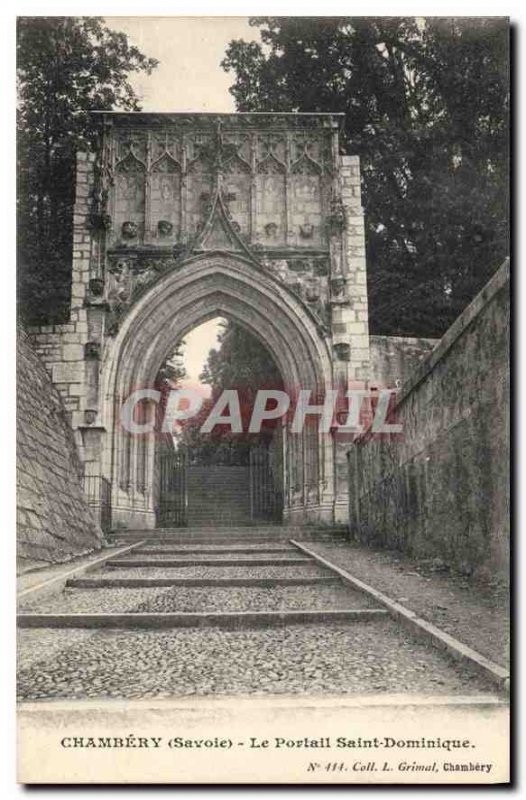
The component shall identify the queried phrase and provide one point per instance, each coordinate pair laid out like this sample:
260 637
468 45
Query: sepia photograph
263 400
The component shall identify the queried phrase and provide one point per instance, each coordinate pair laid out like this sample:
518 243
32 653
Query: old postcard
263 400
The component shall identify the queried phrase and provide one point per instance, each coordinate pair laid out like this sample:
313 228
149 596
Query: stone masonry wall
62 347
54 521
394 358
441 488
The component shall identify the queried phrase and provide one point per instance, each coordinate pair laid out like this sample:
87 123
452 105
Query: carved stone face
96 287
280 269
306 230
92 350
321 267
337 219
299 265
343 351
312 290
165 227
271 230
118 268
296 286
129 230
338 284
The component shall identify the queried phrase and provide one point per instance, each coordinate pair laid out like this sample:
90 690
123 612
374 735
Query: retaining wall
394 358
441 488
54 522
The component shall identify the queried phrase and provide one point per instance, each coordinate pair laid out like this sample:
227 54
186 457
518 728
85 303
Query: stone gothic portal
181 218
220 477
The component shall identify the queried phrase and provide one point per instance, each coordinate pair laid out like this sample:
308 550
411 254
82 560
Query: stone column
355 315
350 328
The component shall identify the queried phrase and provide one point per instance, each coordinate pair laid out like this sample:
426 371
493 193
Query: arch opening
225 473
200 290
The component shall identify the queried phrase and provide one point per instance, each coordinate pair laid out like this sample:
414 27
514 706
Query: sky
190 50
197 345
188 78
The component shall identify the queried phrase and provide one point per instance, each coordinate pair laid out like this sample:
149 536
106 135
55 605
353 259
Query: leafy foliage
241 362
67 67
426 109
172 370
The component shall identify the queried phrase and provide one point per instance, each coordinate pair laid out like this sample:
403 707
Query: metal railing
98 494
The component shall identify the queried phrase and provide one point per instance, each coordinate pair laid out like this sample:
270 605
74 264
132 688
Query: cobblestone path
251 614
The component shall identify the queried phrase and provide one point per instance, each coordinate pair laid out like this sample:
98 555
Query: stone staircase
229 535
218 496
290 621
239 577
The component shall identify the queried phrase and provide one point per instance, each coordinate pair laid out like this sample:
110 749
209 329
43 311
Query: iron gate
266 500
98 492
173 490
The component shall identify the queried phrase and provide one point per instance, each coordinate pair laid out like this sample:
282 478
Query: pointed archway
205 286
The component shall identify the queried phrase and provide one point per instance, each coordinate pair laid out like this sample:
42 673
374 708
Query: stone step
201 536
211 562
230 505
209 489
234 484
210 483
263 524
238 493
206 550
221 516
204 540
204 520
145 583
231 620
248 531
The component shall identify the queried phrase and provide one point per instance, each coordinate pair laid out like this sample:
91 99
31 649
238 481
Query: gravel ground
474 612
183 598
101 601
34 645
280 571
371 657
241 598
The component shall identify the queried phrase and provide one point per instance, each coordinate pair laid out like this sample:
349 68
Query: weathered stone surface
54 521
274 210
394 358
441 488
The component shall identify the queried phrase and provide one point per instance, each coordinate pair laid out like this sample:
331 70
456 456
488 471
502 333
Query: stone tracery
180 218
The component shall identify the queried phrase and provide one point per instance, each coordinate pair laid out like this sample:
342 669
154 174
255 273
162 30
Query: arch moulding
202 288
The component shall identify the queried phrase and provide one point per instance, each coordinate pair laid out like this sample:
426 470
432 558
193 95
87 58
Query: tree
241 362
426 109
67 67
172 370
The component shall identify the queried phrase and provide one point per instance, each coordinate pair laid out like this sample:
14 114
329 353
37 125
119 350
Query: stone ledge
422 628
498 282
455 331
232 620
